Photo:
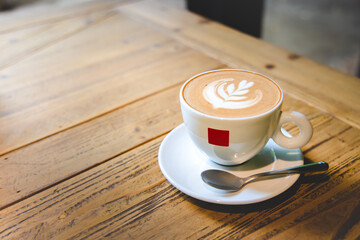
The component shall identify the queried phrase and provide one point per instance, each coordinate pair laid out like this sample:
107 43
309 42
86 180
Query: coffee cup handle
303 124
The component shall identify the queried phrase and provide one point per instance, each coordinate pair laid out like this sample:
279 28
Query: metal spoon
227 181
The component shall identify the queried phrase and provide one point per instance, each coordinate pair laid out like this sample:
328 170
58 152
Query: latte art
231 93
223 94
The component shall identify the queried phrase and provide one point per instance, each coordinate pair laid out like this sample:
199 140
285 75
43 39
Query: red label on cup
218 137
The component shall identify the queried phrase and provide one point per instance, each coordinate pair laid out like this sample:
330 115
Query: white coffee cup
239 139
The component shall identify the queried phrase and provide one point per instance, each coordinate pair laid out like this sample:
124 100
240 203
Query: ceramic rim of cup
185 103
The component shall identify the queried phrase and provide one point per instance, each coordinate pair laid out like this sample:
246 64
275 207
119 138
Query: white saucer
182 165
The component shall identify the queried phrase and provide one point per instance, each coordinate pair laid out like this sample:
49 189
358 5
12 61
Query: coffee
232 93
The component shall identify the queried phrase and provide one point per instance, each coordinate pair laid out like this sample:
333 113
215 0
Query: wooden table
88 91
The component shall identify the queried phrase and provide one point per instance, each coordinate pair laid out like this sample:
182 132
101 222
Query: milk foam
224 94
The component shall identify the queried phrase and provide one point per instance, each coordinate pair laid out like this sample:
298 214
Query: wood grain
15 46
67 153
318 85
70 82
37 13
128 197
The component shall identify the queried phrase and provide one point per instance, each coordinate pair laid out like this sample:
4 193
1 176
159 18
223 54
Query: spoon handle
312 167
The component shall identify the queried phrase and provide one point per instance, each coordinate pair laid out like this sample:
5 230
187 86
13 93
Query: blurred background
327 31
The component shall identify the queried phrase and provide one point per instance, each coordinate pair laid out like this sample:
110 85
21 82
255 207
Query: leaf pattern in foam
223 94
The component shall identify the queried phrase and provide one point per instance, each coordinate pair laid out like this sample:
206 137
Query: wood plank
318 85
71 82
332 223
62 155
42 12
127 197
17 45
123 180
